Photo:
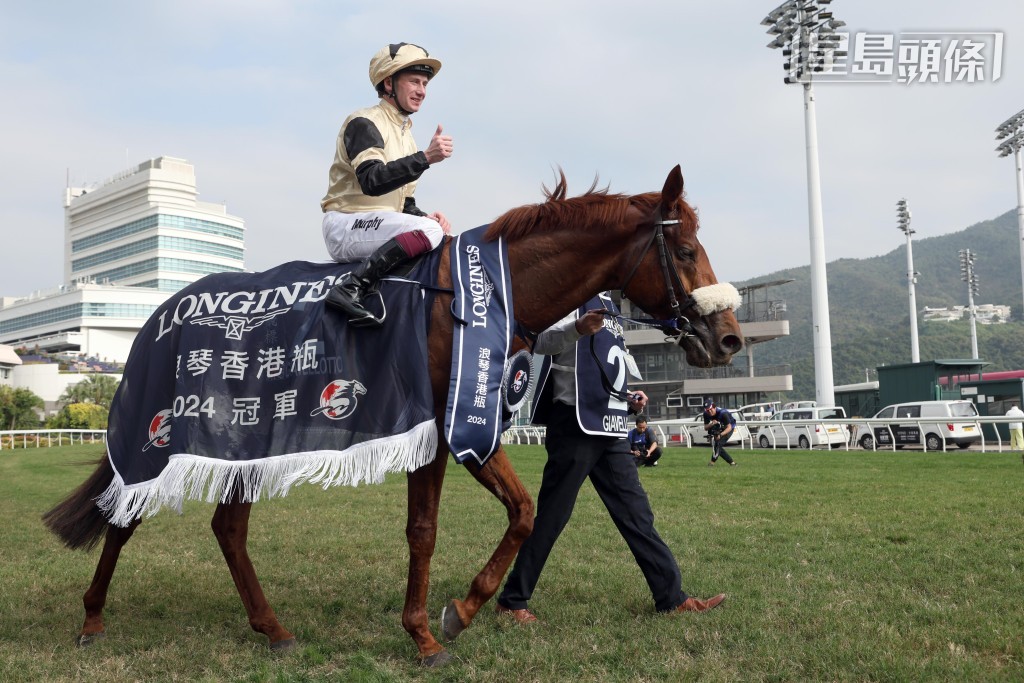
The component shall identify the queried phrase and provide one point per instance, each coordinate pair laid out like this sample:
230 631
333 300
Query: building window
75 311
159 220
163 285
158 242
174 265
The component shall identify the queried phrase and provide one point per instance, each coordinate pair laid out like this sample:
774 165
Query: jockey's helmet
398 57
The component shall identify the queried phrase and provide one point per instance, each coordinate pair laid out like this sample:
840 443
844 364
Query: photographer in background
643 443
719 424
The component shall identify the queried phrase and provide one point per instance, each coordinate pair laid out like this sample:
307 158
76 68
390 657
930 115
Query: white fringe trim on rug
194 477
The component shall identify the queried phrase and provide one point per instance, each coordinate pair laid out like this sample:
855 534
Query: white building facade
8 361
128 244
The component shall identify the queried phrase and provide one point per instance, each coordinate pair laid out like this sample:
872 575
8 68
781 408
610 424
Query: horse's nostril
732 343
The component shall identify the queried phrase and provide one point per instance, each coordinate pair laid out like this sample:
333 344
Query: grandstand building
128 244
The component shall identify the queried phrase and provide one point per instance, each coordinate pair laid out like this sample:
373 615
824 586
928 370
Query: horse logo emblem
159 430
237 325
515 383
339 399
519 381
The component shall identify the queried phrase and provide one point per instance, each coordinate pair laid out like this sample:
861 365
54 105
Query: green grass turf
838 565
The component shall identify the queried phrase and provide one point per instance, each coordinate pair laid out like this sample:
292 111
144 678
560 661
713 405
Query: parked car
699 437
822 426
909 424
793 405
756 413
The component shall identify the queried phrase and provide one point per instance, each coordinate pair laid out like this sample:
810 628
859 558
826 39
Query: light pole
806 32
903 220
1012 129
968 275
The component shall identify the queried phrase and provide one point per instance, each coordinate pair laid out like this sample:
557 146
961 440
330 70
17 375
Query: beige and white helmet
396 57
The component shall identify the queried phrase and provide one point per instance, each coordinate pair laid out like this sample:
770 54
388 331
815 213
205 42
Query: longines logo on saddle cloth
241 311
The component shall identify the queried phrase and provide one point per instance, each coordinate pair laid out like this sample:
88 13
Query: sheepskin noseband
715 298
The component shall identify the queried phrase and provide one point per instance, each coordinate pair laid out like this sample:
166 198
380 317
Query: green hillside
870 311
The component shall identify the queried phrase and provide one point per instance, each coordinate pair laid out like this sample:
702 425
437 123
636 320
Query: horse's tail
77 520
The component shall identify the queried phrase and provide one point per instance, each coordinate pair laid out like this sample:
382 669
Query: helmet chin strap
393 95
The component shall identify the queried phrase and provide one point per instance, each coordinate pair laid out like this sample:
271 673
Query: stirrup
362 317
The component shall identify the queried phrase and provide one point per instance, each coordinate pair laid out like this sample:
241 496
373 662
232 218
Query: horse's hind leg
231 527
499 478
96 596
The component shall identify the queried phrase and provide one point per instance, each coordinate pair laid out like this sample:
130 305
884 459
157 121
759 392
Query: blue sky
252 93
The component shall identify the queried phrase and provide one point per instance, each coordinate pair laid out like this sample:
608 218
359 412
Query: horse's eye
685 253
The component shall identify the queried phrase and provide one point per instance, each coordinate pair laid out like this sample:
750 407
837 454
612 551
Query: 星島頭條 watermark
910 57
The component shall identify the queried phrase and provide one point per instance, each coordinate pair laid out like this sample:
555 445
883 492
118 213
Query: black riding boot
347 294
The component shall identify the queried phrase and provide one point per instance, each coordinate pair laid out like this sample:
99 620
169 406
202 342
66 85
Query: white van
804 428
911 419
756 413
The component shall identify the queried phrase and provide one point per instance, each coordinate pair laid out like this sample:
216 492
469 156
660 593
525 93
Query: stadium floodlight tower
968 275
903 220
805 31
1011 132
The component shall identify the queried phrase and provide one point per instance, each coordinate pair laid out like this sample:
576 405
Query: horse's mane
595 205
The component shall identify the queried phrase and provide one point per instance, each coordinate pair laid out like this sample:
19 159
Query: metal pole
974 321
915 353
824 389
1020 215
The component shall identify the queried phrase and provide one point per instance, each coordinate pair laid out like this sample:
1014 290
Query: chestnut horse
561 253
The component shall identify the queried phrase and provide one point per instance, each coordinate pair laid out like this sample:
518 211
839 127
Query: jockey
369 210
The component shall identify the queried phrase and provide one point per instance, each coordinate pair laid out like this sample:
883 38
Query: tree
98 389
18 408
80 416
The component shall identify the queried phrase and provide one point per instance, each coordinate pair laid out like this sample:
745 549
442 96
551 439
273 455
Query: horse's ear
673 189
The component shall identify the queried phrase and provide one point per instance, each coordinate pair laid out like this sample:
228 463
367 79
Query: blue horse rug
245 383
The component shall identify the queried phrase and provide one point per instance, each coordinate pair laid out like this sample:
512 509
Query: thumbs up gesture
440 147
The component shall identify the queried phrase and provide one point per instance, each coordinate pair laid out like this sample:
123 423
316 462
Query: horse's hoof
86 639
435 660
451 624
286 645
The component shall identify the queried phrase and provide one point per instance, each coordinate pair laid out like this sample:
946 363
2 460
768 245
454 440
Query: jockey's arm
376 174
377 178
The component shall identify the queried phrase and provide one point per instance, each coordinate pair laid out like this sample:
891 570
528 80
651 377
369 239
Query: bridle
679 324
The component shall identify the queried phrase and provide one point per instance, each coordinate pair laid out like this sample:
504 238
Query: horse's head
673 277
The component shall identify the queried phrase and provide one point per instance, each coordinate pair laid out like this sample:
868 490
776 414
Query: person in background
643 443
719 423
1016 428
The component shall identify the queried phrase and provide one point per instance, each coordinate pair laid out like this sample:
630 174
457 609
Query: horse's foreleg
499 478
96 596
421 532
231 527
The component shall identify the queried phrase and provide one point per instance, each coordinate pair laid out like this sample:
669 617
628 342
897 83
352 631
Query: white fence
687 434
43 438
684 433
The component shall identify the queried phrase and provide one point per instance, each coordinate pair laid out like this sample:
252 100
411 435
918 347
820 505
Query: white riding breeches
354 236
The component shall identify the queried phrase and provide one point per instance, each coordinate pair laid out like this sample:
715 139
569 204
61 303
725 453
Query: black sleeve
411 208
375 177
